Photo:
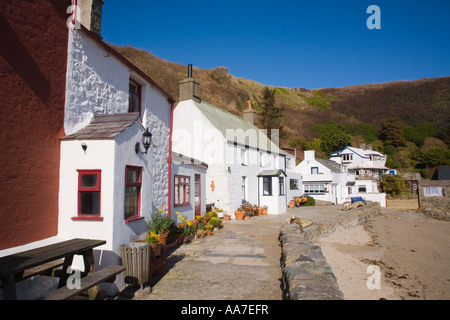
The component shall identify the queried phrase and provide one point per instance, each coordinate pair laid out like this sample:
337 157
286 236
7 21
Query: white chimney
310 155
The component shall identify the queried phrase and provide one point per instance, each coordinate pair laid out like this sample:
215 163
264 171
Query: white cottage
238 154
323 179
363 163
110 180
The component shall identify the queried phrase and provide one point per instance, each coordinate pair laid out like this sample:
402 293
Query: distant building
331 181
363 163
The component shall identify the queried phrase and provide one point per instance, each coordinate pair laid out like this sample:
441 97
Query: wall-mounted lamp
146 142
84 147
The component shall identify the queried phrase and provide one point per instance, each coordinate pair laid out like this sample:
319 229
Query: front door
198 205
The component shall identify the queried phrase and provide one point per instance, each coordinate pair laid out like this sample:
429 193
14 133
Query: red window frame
137 184
82 189
182 196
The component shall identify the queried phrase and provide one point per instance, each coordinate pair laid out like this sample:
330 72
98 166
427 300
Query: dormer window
347 157
134 97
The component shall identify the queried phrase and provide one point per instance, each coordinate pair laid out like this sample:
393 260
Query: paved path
240 261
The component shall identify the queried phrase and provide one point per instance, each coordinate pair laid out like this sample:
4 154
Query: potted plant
188 232
239 214
209 229
264 211
160 223
153 240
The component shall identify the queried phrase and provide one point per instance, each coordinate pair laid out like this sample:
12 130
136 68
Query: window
133 183
281 184
182 190
261 159
293 184
314 170
314 188
244 157
134 97
362 189
433 191
244 188
288 163
267 186
347 157
89 191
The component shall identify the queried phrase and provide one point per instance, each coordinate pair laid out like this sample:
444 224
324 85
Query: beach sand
411 251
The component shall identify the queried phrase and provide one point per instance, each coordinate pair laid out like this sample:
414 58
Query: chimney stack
91 15
250 114
189 88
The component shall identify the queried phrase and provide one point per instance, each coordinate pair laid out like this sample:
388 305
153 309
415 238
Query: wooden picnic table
12 267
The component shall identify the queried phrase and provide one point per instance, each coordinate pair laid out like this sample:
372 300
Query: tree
391 132
393 185
437 156
271 114
334 141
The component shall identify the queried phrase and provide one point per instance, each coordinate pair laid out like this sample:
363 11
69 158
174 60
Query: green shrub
310 202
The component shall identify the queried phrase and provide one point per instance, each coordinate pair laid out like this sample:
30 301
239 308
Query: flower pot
180 238
208 232
156 249
226 217
291 204
239 215
163 238
264 211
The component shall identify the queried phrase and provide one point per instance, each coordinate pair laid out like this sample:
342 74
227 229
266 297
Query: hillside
306 112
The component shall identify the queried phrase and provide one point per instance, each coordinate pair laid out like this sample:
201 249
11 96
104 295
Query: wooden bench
46 269
86 283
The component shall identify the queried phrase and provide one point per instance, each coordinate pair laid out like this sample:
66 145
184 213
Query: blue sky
307 44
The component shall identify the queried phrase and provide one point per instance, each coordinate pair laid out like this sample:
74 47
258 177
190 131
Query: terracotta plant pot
239 215
163 238
208 232
226 217
156 249
264 212
291 204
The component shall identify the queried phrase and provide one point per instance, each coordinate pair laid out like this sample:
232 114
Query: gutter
169 162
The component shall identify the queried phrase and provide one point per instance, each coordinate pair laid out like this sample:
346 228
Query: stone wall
306 274
436 207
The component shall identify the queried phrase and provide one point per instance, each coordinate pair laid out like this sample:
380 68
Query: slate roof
330 164
271 173
105 126
224 120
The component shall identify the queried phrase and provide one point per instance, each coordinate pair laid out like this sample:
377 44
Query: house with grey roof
244 166
323 179
330 181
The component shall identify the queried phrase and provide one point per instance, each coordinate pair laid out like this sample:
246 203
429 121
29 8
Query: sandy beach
411 252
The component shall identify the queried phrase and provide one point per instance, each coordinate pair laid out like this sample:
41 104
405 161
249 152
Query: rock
346 206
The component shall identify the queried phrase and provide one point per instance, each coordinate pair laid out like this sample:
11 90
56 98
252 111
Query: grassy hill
414 103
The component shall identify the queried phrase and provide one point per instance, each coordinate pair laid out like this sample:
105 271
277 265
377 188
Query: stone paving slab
239 262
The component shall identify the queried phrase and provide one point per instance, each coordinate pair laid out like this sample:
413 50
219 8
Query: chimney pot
189 71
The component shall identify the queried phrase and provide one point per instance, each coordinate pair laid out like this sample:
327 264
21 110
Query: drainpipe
169 162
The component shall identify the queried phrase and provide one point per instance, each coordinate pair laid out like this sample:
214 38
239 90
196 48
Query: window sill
88 218
134 218
182 205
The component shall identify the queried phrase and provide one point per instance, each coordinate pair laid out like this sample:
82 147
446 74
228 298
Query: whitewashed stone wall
98 83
